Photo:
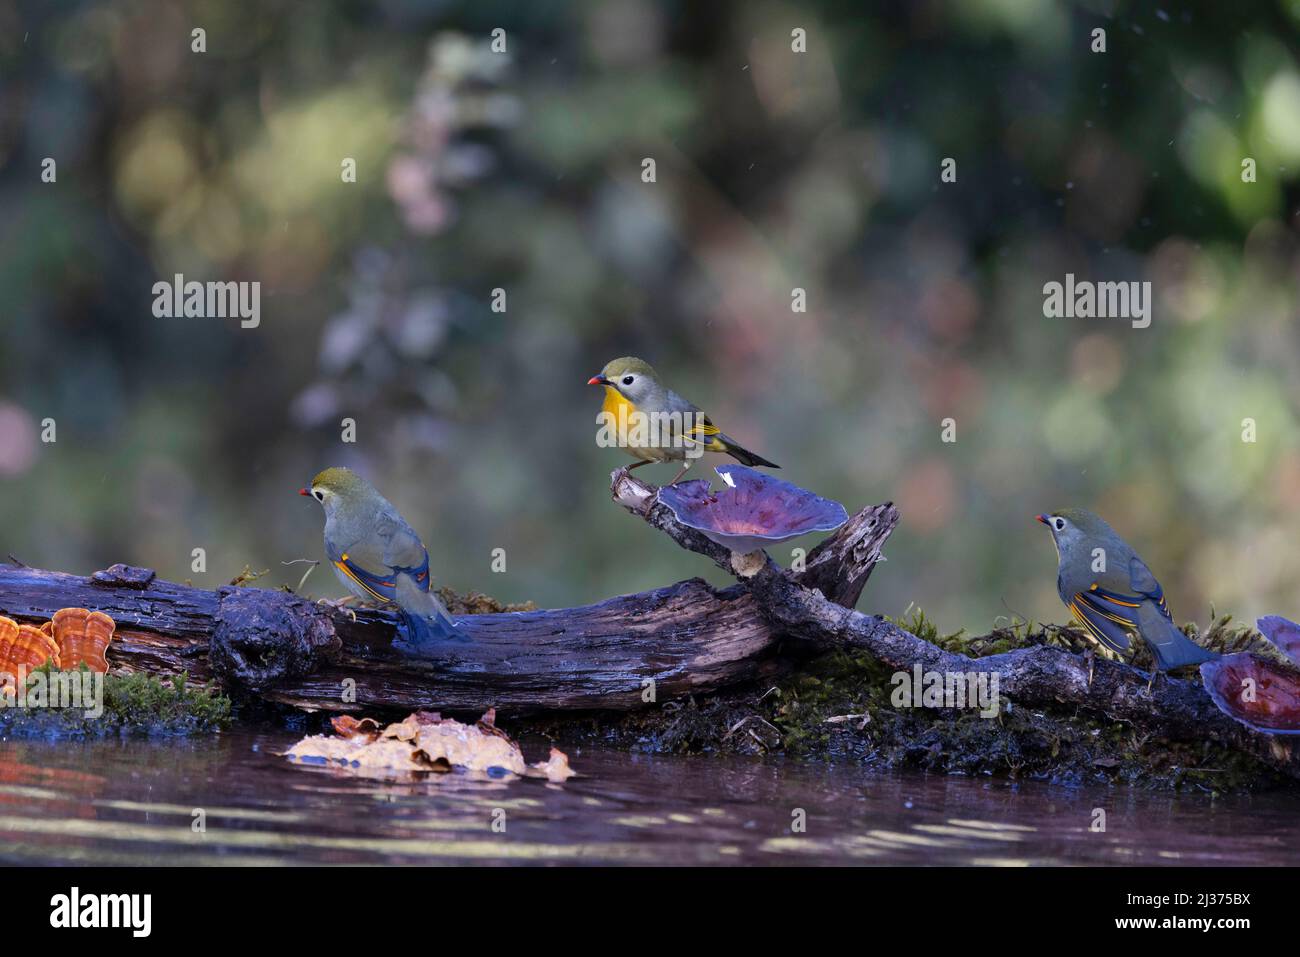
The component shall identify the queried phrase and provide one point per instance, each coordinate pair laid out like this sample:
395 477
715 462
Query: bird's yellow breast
621 409
625 419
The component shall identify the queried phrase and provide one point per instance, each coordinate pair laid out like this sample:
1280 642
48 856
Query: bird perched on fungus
377 555
655 424
1111 592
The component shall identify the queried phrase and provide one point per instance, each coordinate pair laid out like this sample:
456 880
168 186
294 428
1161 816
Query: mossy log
618 654
1037 677
682 639
1042 676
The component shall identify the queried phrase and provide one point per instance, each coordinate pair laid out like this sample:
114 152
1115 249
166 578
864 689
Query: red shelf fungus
1261 694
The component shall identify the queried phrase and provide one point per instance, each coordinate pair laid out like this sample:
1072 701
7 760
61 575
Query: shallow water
133 802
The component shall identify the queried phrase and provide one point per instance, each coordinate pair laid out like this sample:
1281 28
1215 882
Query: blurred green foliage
775 170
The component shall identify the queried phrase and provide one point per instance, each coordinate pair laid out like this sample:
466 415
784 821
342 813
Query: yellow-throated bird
655 424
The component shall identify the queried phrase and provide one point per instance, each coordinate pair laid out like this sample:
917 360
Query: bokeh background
521 171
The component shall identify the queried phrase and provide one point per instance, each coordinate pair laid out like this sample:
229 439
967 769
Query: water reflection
232 799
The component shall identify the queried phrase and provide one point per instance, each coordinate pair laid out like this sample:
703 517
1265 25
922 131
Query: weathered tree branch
1040 676
682 639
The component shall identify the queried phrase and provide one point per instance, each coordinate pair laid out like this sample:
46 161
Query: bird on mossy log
655 424
1111 592
377 555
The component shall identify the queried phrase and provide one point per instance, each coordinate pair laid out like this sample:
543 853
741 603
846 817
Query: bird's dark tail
743 455
1172 649
425 630
427 622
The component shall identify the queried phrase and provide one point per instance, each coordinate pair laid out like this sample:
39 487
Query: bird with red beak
655 424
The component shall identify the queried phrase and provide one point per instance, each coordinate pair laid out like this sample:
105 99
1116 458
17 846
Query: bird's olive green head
634 378
1074 526
336 486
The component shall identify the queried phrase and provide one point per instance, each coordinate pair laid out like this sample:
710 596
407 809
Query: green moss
476 603
838 706
131 704
1228 638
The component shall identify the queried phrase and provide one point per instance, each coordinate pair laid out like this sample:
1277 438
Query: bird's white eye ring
320 496
1060 524
628 380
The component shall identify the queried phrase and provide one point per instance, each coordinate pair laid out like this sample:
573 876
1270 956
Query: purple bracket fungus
1259 693
1284 634
753 512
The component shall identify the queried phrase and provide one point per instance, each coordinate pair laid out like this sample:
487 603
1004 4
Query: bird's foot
340 604
1092 660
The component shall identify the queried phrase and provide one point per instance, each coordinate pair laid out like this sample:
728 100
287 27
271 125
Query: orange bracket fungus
73 637
83 637
24 648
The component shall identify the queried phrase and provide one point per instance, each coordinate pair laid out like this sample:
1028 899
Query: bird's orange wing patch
1106 625
371 583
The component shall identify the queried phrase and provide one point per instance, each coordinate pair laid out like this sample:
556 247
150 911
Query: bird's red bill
303 491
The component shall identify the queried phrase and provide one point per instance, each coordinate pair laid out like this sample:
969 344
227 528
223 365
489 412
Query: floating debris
421 743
